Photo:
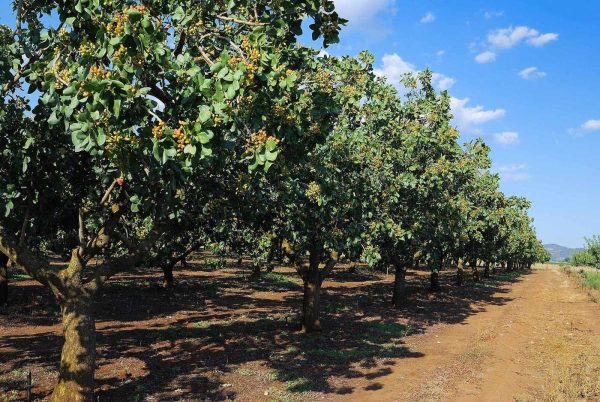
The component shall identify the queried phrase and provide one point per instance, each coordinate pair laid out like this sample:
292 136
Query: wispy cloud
485 57
507 138
513 172
428 18
542 40
591 125
488 15
531 73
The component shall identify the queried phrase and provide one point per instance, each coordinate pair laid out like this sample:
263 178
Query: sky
525 76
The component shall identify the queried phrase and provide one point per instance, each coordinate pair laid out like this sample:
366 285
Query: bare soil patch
219 336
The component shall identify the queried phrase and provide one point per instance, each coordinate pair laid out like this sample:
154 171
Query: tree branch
181 43
242 22
23 233
108 192
121 264
37 267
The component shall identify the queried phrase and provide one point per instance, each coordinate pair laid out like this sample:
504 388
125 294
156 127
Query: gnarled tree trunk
399 295
78 358
312 295
3 279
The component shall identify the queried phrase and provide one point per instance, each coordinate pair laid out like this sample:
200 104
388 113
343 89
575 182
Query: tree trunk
312 296
168 279
460 273
486 270
255 271
3 279
475 271
78 358
435 281
399 296
435 275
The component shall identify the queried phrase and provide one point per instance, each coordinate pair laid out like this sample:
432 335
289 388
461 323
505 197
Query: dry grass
574 374
587 278
466 366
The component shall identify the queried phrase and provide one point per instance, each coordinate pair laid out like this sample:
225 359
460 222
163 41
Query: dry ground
219 336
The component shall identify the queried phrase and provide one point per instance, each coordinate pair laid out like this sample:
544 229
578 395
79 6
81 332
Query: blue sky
525 76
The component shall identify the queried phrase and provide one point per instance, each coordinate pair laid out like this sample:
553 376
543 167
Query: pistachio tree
143 98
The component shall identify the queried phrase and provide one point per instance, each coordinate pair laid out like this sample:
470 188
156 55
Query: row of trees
153 128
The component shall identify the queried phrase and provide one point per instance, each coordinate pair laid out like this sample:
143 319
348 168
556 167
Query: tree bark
3 279
475 271
460 274
434 285
168 279
435 281
312 296
78 358
399 296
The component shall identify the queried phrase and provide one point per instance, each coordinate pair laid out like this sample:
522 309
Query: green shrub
583 259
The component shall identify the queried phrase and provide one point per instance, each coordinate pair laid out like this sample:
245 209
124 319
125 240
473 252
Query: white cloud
510 37
507 138
543 39
513 173
360 10
428 18
485 57
531 73
440 53
442 82
491 14
468 118
394 67
591 125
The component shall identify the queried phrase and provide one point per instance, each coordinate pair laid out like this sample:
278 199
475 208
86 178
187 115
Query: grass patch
276 278
389 329
592 279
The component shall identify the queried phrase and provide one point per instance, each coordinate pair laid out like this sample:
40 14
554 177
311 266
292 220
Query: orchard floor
219 336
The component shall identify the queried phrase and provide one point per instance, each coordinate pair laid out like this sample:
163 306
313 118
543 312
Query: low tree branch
125 263
34 265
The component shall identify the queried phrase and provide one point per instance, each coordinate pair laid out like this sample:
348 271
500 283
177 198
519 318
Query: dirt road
544 344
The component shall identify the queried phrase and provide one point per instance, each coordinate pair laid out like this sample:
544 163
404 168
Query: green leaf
53 120
117 107
204 113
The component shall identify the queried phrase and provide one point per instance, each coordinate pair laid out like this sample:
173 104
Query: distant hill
559 253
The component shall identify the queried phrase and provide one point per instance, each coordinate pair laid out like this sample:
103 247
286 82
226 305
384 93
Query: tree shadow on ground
213 337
